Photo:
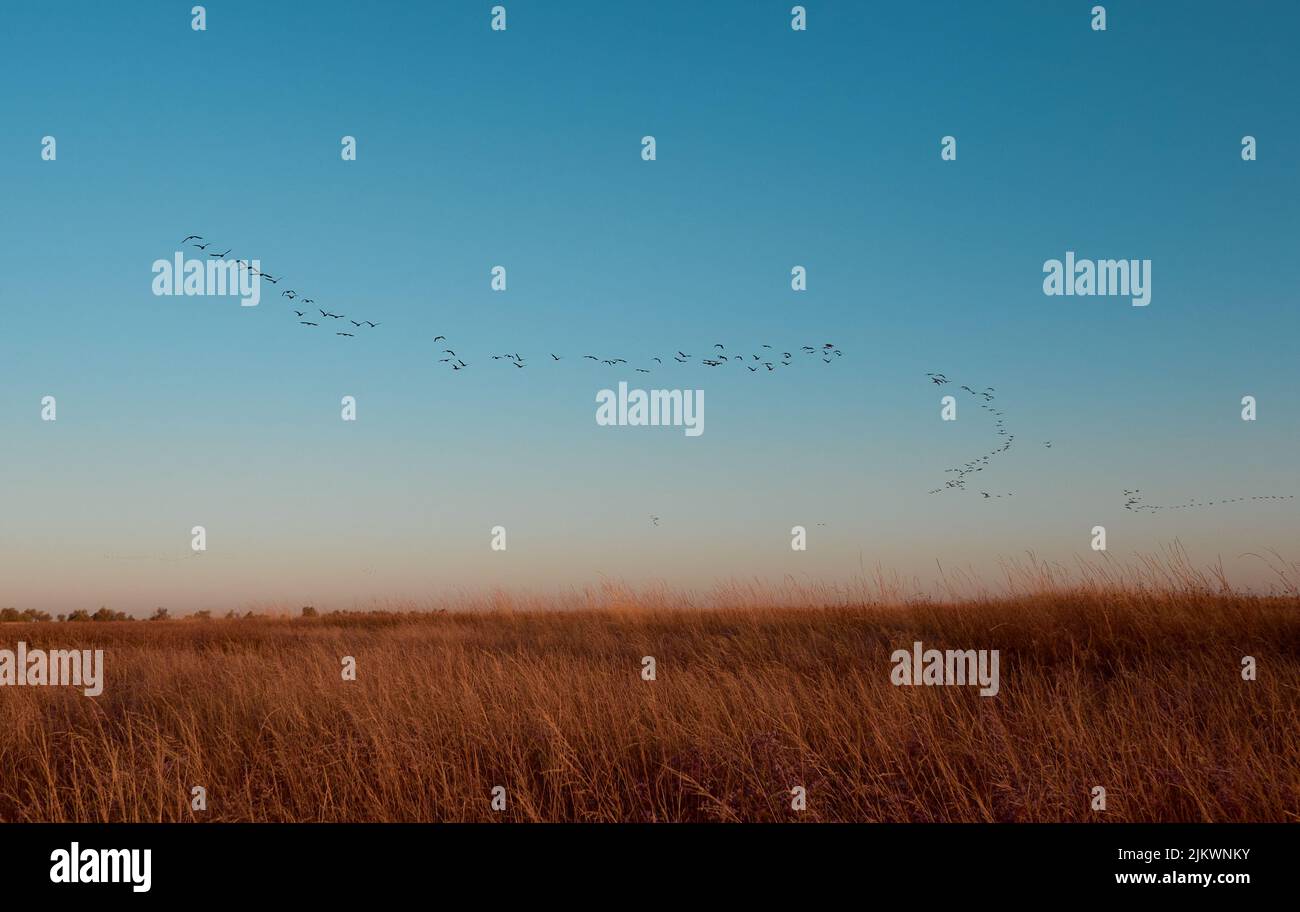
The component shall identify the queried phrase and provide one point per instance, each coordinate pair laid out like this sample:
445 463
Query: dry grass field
1128 680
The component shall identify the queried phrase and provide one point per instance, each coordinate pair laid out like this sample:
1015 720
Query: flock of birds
1133 501
766 360
967 470
296 298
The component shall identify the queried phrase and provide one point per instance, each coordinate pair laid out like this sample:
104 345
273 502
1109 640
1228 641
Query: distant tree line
108 614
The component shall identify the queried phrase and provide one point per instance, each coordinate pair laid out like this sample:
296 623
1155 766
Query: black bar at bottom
656 863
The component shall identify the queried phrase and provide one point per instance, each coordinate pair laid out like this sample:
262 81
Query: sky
522 148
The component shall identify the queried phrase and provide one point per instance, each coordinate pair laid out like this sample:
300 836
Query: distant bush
27 614
204 615
308 611
160 615
107 614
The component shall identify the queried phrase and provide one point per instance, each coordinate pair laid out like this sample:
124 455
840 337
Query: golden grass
1135 688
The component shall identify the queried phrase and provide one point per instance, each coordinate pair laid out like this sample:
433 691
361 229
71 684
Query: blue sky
522 148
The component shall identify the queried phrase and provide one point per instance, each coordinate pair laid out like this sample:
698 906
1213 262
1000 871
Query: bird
220 255
555 356
305 323
193 237
202 246
440 338
368 323
343 334
354 323
301 313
